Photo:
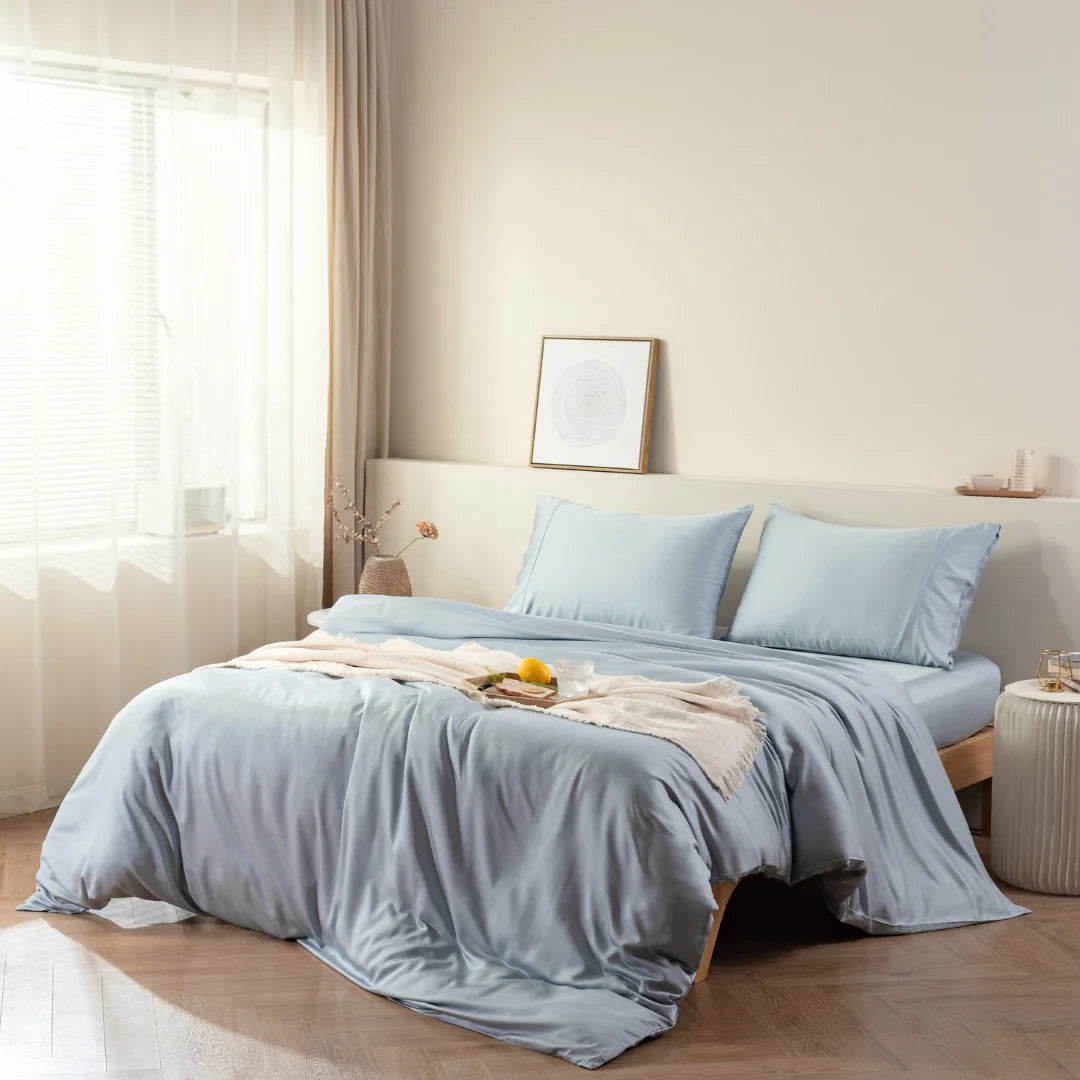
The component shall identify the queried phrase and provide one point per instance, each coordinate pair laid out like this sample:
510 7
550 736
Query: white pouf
1035 831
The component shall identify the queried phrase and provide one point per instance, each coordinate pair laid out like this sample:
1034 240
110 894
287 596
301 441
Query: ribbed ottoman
1035 832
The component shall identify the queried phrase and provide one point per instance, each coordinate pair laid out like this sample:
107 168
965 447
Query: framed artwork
594 402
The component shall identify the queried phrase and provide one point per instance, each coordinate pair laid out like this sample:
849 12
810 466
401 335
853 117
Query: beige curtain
358 73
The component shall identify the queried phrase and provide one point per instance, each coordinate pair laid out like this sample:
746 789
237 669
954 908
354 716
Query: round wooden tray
502 697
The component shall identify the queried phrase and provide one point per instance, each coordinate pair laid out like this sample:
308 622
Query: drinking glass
574 677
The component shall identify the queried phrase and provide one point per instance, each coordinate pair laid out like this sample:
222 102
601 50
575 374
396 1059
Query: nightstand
317 618
1035 836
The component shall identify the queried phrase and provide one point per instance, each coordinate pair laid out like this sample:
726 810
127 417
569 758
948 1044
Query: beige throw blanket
719 728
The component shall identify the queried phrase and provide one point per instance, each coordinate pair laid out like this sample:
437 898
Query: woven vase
385 575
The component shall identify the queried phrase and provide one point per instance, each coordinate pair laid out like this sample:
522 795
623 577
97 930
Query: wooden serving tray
506 697
1001 493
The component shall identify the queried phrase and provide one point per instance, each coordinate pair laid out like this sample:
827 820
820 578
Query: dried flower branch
353 527
427 531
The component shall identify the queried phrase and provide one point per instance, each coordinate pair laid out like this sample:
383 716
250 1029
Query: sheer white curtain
163 353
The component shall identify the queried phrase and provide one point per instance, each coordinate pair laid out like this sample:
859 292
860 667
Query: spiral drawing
589 404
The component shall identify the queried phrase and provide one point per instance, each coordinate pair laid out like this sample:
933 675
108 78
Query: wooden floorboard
144 992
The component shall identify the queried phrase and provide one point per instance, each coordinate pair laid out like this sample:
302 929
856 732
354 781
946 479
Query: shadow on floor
765 917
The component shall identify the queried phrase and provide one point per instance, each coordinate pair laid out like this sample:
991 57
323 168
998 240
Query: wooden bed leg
986 796
721 891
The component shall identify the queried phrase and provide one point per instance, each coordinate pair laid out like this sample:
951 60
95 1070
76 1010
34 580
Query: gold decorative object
1055 668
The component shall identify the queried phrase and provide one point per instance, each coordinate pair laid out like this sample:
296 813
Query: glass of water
574 677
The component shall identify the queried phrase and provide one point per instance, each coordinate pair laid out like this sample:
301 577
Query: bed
548 883
957 708
953 704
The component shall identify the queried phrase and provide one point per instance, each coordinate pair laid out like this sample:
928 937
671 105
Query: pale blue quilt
540 880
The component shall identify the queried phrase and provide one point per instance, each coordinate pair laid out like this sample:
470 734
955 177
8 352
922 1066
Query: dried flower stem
408 545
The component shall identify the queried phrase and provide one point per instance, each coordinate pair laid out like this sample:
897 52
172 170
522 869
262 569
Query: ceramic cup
987 482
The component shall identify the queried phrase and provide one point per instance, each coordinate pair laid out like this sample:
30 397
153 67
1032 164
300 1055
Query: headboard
1029 598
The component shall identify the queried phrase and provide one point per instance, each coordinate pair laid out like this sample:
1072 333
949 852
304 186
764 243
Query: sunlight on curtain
163 354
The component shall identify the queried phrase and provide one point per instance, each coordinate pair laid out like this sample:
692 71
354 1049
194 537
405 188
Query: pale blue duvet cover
543 881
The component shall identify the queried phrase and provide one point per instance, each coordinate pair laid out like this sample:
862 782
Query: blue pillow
890 594
655 573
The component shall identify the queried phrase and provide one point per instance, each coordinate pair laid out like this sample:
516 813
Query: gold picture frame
594 403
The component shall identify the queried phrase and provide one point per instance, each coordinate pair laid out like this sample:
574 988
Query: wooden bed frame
968 762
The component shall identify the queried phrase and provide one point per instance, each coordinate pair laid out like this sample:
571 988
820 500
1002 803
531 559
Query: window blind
95 395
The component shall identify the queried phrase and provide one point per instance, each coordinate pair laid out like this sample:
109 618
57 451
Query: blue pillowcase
889 594
654 573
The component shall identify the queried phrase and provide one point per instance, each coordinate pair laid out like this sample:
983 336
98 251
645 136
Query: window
133 299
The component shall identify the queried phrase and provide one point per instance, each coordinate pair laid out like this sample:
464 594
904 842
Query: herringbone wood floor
141 995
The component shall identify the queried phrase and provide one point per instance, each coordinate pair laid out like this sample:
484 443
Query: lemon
535 671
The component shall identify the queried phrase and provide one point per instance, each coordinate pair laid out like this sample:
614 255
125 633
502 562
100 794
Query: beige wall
852 222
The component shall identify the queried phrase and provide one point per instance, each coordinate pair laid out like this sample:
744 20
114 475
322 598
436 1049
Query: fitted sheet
953 704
